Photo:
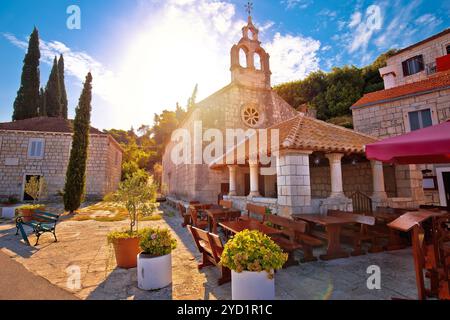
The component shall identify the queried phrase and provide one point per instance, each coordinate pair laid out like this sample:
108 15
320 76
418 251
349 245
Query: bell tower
249 61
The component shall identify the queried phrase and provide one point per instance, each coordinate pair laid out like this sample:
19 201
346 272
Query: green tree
27 101
62 86
53 93
76 171
345 87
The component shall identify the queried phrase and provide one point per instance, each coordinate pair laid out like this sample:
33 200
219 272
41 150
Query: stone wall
102 175
356 177
430 51
389 119
222 110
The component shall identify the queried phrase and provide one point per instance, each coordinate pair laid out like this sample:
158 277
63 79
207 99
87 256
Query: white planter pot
249 285
154 272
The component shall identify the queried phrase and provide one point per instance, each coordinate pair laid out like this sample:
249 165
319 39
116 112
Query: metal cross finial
249 8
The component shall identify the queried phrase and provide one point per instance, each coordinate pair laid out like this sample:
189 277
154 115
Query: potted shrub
27 210
155 261
252 257
137 194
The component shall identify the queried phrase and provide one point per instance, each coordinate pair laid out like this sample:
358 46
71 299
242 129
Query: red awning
428 145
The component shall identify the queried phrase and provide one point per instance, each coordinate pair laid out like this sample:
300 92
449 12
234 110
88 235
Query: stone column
254 175
232 171
379 192
336 174
294 183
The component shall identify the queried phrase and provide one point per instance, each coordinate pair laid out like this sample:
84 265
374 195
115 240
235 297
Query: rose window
251 116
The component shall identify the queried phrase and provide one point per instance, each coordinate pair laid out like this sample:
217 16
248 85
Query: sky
147 55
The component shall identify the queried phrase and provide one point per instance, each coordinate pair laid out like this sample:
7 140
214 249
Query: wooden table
332 226
395 241
241 225
217 214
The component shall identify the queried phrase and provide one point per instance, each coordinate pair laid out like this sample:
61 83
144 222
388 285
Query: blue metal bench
40 221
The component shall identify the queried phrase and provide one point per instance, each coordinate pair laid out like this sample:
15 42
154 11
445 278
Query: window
448 49
36 149
413 65
420 119
250 116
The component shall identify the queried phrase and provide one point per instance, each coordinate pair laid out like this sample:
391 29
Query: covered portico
318 166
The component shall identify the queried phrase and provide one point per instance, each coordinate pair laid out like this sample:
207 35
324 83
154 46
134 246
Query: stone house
41 147
317 165
417 95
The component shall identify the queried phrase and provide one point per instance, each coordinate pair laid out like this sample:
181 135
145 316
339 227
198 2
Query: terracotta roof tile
43 124
437 81
305 133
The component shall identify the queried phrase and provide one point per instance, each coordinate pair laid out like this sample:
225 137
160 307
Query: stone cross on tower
249 8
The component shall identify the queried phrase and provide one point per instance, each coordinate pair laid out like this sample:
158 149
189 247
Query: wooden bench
293 238
185 213
360 234
211 248
255 212
197 220
40 221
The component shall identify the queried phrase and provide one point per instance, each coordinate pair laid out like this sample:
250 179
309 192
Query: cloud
399 31
355 19
428 20
363 30
292 57
77 64
301 4
180 44
328 13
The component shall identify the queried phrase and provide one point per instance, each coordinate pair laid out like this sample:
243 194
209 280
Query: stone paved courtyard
83 244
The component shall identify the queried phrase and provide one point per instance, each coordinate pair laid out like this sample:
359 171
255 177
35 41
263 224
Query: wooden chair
442 232
196 221
361 234
255 212
293 238
211 248
226 204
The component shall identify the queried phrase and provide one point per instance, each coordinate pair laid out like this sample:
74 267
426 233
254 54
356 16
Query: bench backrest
359 218
212 245
181 209
43 216
256 212
226 204
288 226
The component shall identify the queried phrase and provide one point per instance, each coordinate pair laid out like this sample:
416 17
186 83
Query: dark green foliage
332 94
76 171
62 87
53 93
27 100
41 111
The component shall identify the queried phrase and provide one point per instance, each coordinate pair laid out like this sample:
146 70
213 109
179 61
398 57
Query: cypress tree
53 93
76 171
42 112
62 86
27 100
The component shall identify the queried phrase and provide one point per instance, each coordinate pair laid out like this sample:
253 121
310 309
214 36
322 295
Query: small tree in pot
138 195
252 257
155 261
36 188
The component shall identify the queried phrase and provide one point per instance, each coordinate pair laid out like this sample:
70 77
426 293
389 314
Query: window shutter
405 68
38 149
420 63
